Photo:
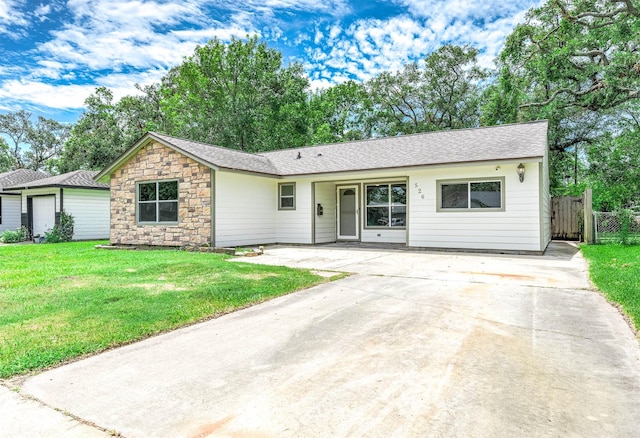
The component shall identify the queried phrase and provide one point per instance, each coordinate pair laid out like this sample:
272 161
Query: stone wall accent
156 162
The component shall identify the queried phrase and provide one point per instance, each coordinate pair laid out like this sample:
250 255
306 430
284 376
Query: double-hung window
287 196
485 195
386 205
158 202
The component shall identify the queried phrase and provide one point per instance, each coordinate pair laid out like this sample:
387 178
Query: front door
348 224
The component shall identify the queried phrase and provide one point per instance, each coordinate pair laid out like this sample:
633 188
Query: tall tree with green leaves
444 95
6 160
16 126
107 128
582 53
237 95
340 113
576 64
32 145
46 140
97 138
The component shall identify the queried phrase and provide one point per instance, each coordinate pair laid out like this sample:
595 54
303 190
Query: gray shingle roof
77 178
221 157
20 176
518 141
506 142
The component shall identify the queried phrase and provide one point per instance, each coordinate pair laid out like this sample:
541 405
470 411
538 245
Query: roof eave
536 158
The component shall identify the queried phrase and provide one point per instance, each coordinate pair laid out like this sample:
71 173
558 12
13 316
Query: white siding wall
516 228
383 235
326 224
90 211
10 212
245 209
294 226
37 192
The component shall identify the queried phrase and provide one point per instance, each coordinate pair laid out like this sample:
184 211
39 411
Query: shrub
19 235
62 232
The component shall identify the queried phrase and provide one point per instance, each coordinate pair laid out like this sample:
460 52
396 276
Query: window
287 196
158 202
386 205
465 195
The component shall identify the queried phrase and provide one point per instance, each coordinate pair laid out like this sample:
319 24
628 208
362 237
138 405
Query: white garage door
44 214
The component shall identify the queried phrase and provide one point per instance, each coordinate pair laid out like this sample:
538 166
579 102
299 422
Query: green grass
62 301
615 270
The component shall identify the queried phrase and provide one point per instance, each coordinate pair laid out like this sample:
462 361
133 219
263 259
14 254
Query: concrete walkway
412 344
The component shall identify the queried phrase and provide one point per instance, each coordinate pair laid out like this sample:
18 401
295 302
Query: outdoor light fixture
521 172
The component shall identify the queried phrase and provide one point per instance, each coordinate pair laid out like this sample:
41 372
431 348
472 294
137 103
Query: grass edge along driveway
615 270
63 301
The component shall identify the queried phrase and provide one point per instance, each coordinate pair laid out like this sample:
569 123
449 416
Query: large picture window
386 205
158 202
287 196
466 195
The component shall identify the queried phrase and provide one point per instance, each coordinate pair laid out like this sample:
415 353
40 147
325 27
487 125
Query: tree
237 95
96 139
34 146
6 160
576 64
46 139
445 95
613 168
340 113
583 53
16 126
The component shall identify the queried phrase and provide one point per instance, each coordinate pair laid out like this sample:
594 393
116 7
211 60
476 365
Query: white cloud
10 15
41 94
123 34
42 11
368 47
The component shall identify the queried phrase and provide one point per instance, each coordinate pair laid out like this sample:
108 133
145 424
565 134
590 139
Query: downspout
59 213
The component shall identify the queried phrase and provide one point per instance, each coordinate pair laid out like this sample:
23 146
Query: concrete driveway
412 344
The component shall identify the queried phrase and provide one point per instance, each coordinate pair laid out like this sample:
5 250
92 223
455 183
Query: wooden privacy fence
572 218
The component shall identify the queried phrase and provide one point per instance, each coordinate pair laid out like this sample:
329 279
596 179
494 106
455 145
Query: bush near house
615 270
62 232
59 302
15 236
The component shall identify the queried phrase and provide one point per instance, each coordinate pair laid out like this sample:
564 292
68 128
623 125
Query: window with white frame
287 196
157 202
386 205
471 194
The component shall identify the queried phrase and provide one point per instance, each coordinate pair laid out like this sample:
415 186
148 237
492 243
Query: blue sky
53 54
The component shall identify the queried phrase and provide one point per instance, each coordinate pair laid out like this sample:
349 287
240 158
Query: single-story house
77 193
10 199
480 189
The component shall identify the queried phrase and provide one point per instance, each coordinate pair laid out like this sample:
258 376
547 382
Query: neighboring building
10 200
450 189
77 193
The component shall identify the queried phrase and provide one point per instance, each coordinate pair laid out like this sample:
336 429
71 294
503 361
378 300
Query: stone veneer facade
155 162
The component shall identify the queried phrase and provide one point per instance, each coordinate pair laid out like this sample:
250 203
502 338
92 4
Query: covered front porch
367 211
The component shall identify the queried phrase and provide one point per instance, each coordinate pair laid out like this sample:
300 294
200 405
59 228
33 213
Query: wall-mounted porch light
521 172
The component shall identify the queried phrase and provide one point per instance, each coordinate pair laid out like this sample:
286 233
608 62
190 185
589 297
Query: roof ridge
403 136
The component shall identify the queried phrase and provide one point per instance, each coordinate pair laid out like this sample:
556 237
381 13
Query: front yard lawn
62 301
615 270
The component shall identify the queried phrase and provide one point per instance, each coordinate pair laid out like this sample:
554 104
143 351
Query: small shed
76 193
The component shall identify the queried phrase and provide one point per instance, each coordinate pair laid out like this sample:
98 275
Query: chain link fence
617 227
